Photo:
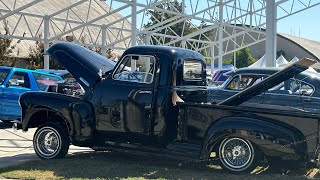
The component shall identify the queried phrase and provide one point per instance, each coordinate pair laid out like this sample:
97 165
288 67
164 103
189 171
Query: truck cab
134 101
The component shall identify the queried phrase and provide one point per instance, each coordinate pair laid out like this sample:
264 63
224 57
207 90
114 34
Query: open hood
86 66
269 82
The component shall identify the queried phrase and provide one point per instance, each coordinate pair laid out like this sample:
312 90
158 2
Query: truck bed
195 119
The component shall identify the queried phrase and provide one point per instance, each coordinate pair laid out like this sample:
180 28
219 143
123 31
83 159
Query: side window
293 86
20 79
300 88
43 80
234 83
241 82
192 70
306 89
138 69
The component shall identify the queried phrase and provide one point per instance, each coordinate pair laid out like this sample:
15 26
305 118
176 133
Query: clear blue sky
307 21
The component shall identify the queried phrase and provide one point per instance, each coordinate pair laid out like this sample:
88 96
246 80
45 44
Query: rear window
192 70
43 80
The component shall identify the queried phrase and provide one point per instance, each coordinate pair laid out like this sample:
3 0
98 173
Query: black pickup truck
154 101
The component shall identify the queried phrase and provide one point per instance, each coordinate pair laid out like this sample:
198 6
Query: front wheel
50 141
237 154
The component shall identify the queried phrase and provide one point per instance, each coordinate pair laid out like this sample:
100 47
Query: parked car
160 109
302 92
16 81
219 77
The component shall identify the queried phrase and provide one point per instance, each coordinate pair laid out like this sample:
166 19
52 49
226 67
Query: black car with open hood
154 101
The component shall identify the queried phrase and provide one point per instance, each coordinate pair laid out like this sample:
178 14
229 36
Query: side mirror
13 82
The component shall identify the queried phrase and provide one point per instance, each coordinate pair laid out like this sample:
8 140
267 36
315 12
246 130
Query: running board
172 153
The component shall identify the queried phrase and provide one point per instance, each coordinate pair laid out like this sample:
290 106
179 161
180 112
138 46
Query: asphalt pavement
16 146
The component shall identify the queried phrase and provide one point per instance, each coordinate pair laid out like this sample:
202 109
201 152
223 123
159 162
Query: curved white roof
81 19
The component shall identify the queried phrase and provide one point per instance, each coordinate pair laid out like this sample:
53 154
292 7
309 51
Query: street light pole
133 30
46 57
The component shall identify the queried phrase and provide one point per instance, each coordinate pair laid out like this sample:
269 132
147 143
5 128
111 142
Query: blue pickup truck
14 82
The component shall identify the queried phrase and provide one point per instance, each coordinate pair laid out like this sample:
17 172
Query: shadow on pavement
16 159
5 125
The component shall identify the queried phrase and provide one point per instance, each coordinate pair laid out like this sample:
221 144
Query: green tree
111 54
227 61
244 58
37 59
181 28
158 16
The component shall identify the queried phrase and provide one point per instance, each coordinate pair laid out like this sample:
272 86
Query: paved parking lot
16 147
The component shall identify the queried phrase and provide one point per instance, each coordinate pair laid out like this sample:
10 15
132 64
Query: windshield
3 74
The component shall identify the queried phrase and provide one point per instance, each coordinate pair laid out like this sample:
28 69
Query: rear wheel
50 141
237 154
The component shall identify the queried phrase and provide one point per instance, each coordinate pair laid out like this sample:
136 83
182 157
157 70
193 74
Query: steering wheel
134 76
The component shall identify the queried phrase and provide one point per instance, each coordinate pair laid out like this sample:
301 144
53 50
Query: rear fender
273 138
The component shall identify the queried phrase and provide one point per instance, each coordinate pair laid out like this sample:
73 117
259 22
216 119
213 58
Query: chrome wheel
51 141
48 142
236 154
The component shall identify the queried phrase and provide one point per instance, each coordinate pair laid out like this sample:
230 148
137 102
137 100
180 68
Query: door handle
307 100
145 92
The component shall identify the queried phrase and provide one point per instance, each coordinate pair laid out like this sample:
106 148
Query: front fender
77 114
272 137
